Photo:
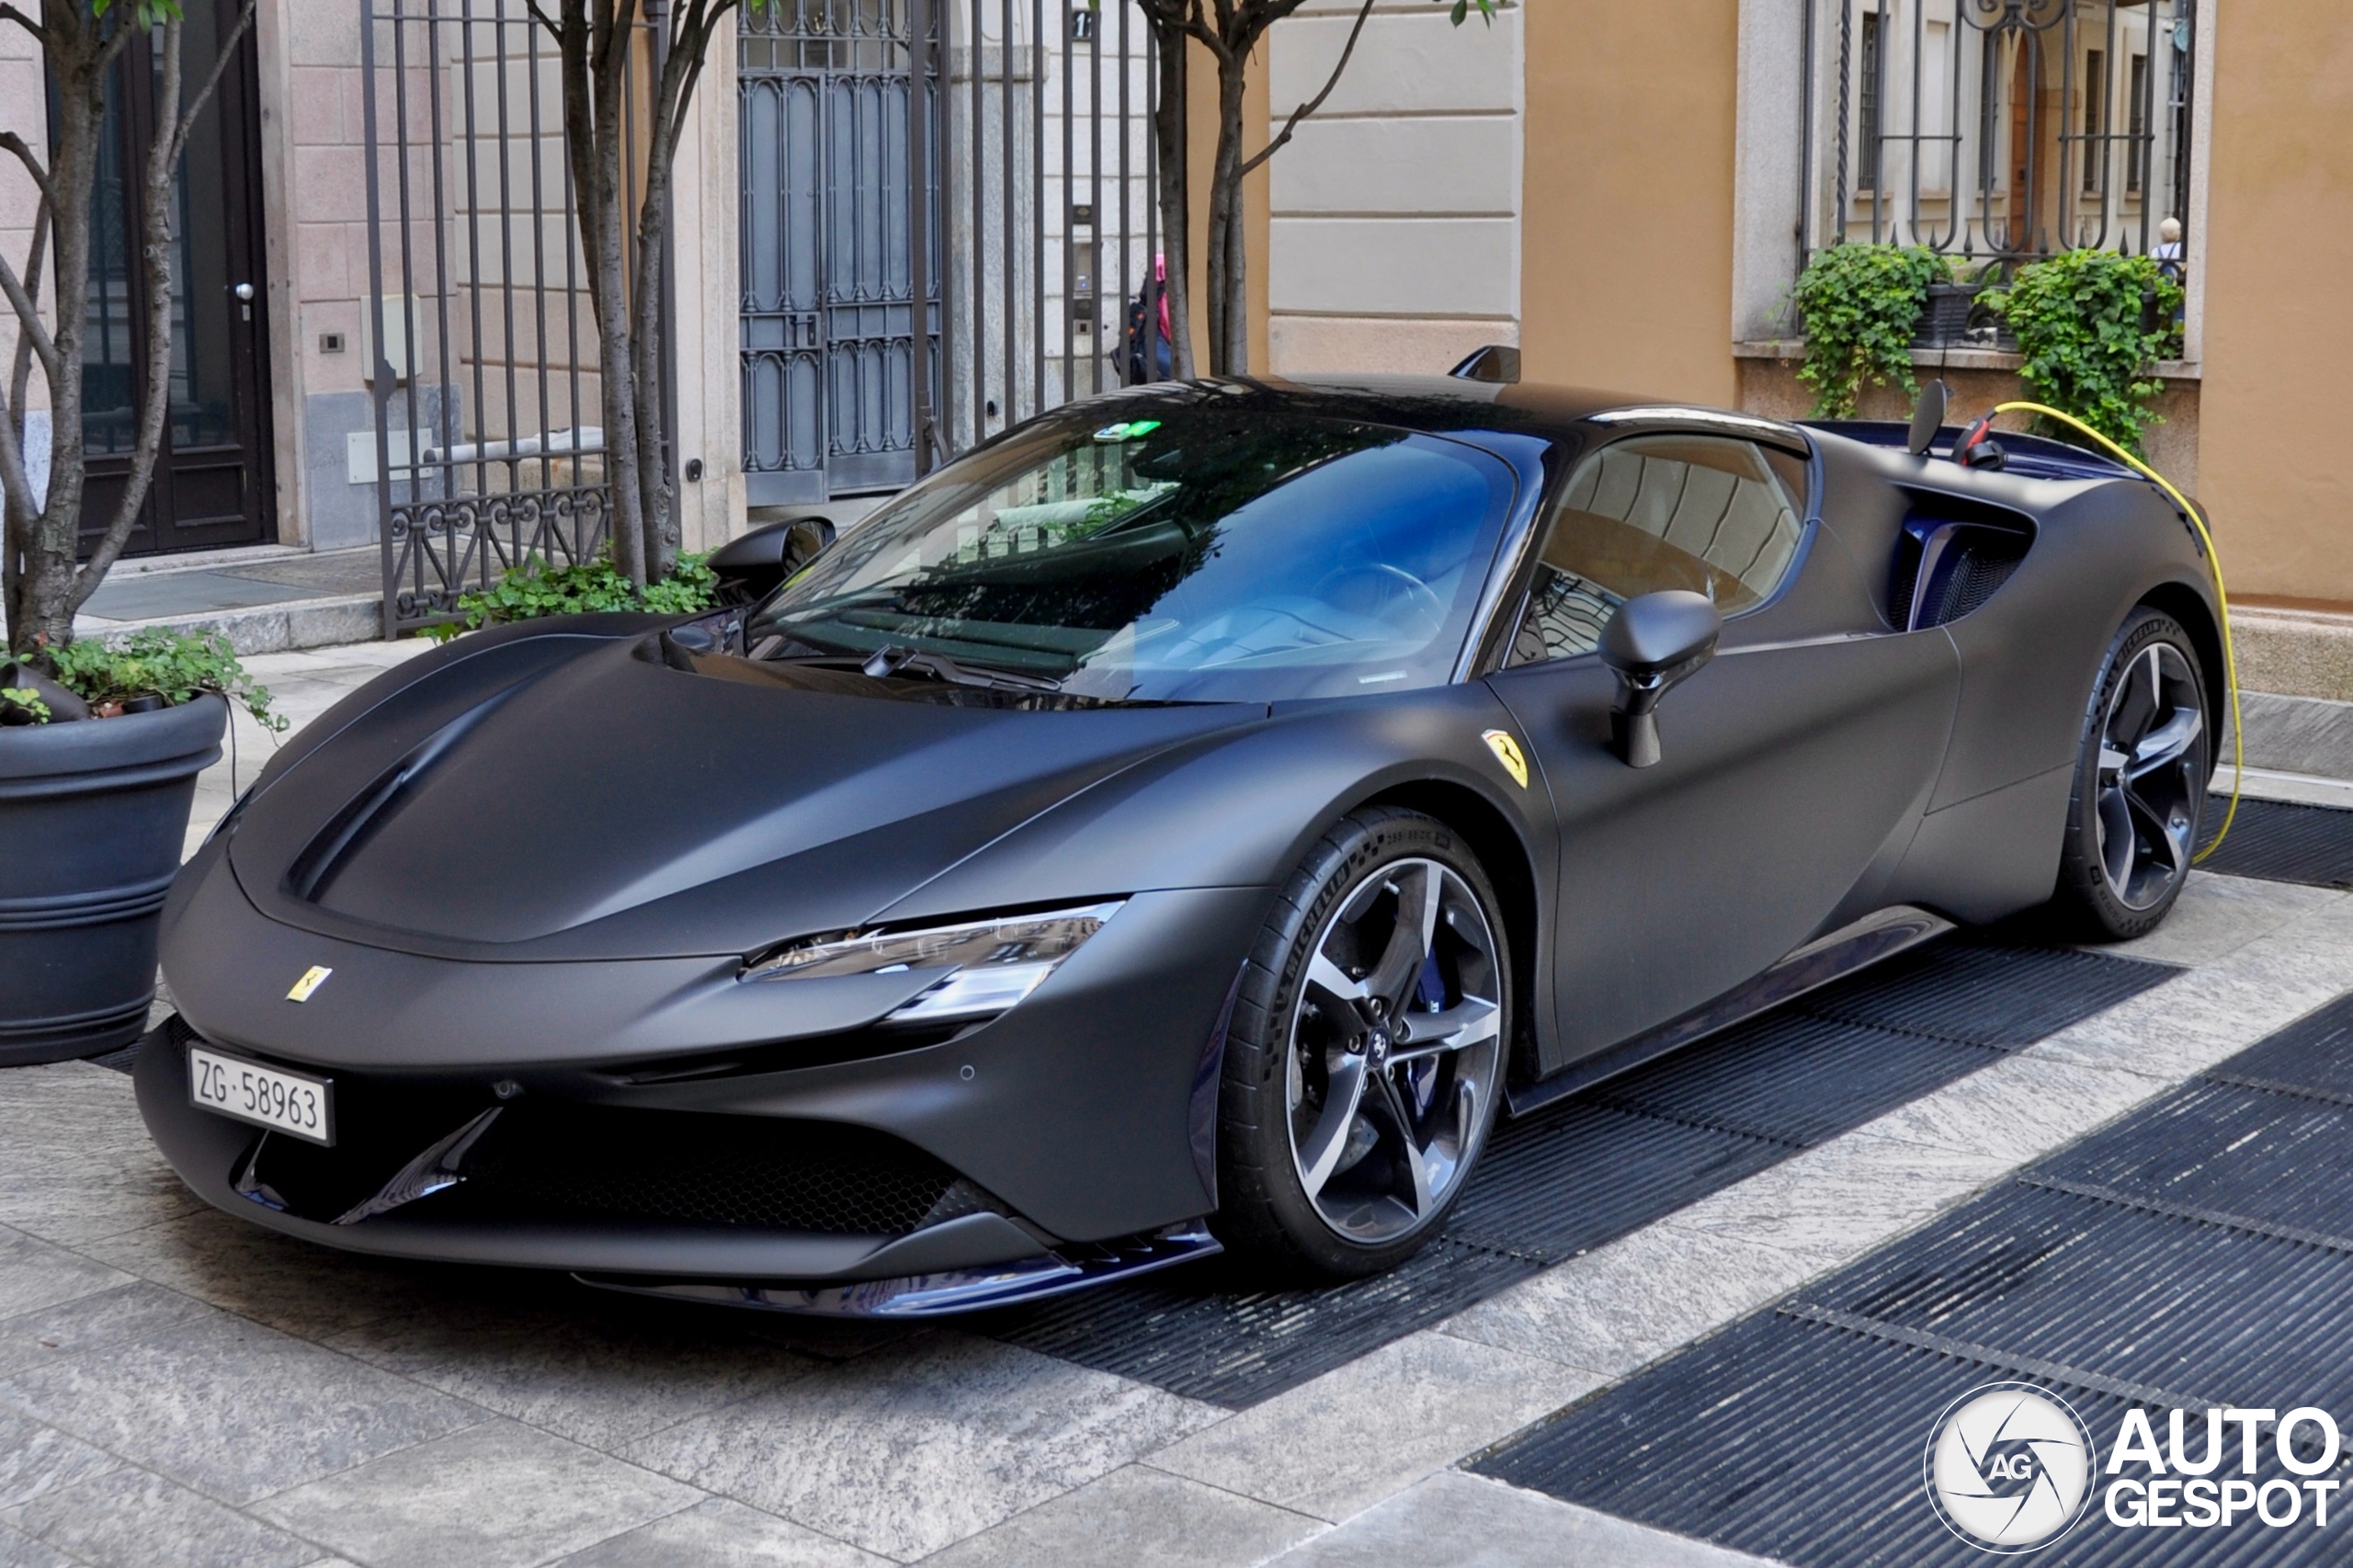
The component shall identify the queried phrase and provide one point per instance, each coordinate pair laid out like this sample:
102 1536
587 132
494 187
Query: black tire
1348 896
2111 890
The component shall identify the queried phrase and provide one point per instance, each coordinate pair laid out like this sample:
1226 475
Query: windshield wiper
892 660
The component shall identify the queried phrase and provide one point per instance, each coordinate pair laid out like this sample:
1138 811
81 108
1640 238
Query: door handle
243 291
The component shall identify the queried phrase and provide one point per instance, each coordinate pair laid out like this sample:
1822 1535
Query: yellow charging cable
2214 560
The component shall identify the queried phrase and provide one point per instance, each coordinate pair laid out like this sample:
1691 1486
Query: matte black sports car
1187 820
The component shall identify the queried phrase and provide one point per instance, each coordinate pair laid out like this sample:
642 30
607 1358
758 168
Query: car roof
1437 404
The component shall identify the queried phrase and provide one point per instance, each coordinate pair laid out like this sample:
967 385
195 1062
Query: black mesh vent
554 1161
1973 560
1975 577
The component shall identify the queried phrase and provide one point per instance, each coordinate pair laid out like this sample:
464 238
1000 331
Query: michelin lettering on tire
2009 1467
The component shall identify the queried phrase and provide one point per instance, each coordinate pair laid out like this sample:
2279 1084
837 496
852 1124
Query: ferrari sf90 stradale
1186 822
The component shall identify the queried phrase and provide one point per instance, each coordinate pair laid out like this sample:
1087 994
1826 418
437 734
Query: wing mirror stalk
1654 642
751 566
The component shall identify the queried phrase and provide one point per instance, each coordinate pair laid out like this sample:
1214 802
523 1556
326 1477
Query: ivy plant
1861 305
2089 323
157 661
535 589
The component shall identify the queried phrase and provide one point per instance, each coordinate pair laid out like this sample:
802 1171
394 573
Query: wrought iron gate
480 346
993 158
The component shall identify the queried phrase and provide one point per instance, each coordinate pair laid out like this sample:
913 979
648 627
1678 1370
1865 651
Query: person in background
2169 252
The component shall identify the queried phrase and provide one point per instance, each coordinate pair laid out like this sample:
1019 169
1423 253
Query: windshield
1202 555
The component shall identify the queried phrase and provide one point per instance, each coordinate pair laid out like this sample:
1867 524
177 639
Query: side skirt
1820 961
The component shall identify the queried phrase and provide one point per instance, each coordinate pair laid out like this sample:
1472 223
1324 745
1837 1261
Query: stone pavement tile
56 1335
1843 1197
1454 1520
1135 1517
1623 1305
34 1275
132 1519
496 1495
596 1378
233 1409
1335 1446
720 1533
35 1458
910 1448
2017 1108
17 1551
78 1162
2216 916
309 1291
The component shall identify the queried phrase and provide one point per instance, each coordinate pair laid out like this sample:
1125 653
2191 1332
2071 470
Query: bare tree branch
10 14
12 142
28 318
221 65
1312 105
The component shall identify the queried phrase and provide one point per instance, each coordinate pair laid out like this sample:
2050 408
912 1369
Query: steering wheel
1386 590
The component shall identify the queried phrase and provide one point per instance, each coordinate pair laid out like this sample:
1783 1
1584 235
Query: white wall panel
1428 266
1416 165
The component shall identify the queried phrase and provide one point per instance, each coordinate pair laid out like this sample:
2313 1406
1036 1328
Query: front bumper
1080 1117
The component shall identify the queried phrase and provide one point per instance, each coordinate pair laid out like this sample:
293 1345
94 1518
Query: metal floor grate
2281 841
1585 1172
2199 1250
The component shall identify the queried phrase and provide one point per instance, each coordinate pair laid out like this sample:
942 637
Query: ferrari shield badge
316 976
1508 752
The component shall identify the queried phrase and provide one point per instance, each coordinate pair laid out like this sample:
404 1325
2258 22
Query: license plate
267 1096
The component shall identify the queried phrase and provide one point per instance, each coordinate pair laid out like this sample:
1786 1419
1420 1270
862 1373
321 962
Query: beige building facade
1663 167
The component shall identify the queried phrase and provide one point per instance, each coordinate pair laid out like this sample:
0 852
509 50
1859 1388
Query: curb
269 629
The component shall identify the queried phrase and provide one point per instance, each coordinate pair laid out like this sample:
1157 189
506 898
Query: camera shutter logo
2009 1467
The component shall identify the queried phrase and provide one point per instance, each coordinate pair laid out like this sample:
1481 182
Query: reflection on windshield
1198 556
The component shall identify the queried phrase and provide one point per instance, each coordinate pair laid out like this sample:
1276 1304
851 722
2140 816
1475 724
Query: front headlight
989 964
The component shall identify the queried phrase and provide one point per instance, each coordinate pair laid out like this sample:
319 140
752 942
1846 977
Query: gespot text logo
2011 1468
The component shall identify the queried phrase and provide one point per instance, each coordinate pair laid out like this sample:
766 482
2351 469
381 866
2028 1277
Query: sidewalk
266 599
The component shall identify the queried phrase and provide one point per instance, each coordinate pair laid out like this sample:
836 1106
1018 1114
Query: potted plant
98 759
100 746
2089 323
1861 305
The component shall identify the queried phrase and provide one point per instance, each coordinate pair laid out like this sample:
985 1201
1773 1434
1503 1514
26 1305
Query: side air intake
1947 566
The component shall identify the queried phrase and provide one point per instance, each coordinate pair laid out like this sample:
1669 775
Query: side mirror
751 566
1929 418
1654 643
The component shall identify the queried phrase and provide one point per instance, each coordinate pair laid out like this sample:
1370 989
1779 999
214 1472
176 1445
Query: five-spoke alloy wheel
1366 1056
2139 782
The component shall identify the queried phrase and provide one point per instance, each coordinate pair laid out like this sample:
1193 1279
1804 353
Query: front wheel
1365 1051
2141 778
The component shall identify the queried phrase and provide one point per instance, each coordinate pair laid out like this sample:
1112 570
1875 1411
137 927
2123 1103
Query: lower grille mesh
589 1162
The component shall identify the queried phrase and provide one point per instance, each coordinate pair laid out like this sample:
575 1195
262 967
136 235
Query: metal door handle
243 291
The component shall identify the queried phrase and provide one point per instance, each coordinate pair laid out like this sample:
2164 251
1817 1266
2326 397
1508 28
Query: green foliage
1861 304
2088 323
535 589
157 661
25 698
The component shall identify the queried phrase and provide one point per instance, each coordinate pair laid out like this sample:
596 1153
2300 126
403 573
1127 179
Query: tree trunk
659 503
1229 282
594 81
1170 127
43 613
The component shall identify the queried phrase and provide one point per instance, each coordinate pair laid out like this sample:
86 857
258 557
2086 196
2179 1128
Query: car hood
563 797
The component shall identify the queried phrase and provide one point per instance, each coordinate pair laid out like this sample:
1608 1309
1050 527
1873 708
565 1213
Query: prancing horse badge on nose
1508 752
313 978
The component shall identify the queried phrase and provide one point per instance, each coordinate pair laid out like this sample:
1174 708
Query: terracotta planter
92 817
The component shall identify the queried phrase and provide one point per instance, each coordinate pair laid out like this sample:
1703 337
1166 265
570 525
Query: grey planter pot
92 817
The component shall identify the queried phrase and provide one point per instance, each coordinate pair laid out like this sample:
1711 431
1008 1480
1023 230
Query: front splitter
939 1295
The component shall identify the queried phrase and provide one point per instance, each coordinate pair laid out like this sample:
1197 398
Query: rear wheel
1365 1051
2141 779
